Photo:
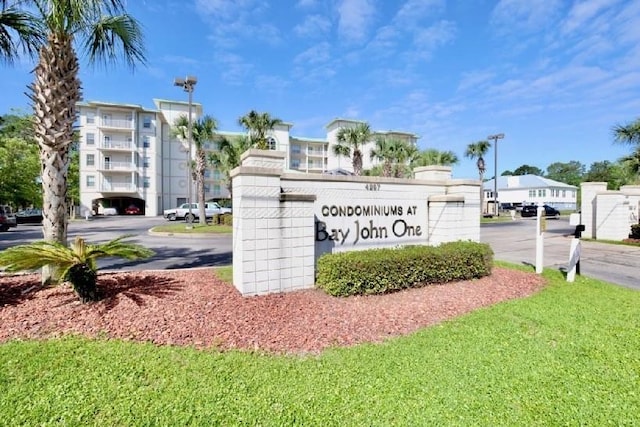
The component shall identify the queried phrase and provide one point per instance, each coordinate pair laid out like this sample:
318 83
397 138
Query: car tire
190 218
4 228
557 216
171 217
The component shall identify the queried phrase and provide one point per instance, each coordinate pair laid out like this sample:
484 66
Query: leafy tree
76 263
20 168
571 173
605 171
202 131
258 125
105 30
525 170
477 151
351 140
227 157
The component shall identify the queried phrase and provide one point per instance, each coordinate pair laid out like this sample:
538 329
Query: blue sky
553 75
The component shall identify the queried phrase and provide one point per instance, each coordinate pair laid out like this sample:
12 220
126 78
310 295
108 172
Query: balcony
118 187
116 124
116 145
318 152
117 166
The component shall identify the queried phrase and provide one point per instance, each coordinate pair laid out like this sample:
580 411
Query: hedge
377 271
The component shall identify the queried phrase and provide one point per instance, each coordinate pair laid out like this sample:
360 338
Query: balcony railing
117 124
118 166
116 145
118 187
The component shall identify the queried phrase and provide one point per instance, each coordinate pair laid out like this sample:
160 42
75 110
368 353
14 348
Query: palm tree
350 143
227 157
202 131
104 30
477 151
77 263
384 150
629 134
18 31
432 156
258 125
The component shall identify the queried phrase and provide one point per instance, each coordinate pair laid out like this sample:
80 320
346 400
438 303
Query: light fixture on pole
187 84
495 138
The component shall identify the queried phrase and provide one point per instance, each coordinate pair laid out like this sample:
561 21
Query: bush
379 271
635 231
222 219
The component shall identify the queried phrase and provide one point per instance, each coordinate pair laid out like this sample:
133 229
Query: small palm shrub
635 231
75 263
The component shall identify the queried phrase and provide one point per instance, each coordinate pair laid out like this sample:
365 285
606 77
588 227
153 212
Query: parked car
7 218
182 211
133 210
29 216
532 211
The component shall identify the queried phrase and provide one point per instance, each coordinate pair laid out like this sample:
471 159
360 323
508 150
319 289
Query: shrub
379 271
635 231
222 219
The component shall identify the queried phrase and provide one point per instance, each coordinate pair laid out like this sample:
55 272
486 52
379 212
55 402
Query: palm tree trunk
357 162
55 91
201 163
481 194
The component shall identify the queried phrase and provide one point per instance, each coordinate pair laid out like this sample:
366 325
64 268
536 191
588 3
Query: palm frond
111 35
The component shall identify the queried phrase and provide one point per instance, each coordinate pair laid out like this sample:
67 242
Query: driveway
515 242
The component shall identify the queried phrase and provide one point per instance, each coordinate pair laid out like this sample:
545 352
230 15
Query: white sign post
574 259
540 227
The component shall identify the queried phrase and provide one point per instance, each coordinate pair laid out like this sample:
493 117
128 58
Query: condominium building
129 156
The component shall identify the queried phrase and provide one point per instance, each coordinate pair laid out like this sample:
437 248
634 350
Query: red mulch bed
195 308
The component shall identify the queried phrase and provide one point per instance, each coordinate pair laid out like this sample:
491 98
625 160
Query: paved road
512 241
171 252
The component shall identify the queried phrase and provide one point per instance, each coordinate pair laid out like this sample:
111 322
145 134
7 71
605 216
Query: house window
295 163
91 118
146 182
271 143
91 160
91 181
532 193
564 193
91 139
146 122
146 141
146 162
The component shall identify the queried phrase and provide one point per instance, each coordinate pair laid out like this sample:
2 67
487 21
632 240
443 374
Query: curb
188 235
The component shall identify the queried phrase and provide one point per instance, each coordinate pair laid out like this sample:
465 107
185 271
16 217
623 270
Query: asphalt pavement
512 241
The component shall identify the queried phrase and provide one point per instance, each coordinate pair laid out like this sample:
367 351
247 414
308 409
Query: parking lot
512 241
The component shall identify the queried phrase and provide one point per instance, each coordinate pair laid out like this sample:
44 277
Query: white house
531 189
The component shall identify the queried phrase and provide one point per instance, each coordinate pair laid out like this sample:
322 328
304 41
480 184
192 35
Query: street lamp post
495 138
187 84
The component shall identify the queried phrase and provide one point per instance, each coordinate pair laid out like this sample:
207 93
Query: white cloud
313 25
519 16
414 11
429 39
582 12
355 17
234 68
306 3
317 54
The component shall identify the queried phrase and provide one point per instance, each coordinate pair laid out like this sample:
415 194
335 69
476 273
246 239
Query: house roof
513 182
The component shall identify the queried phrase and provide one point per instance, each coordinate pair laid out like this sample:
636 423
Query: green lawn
569 355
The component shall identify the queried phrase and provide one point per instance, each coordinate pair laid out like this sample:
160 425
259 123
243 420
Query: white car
182 211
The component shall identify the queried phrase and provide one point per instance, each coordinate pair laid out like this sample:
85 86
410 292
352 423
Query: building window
91 160
146 141
146 182
107 140
295 163
91 118
91 139
146 162
91 181
207 188
564 193
216 188
271 143
207 173
146 122
532 193
295 149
